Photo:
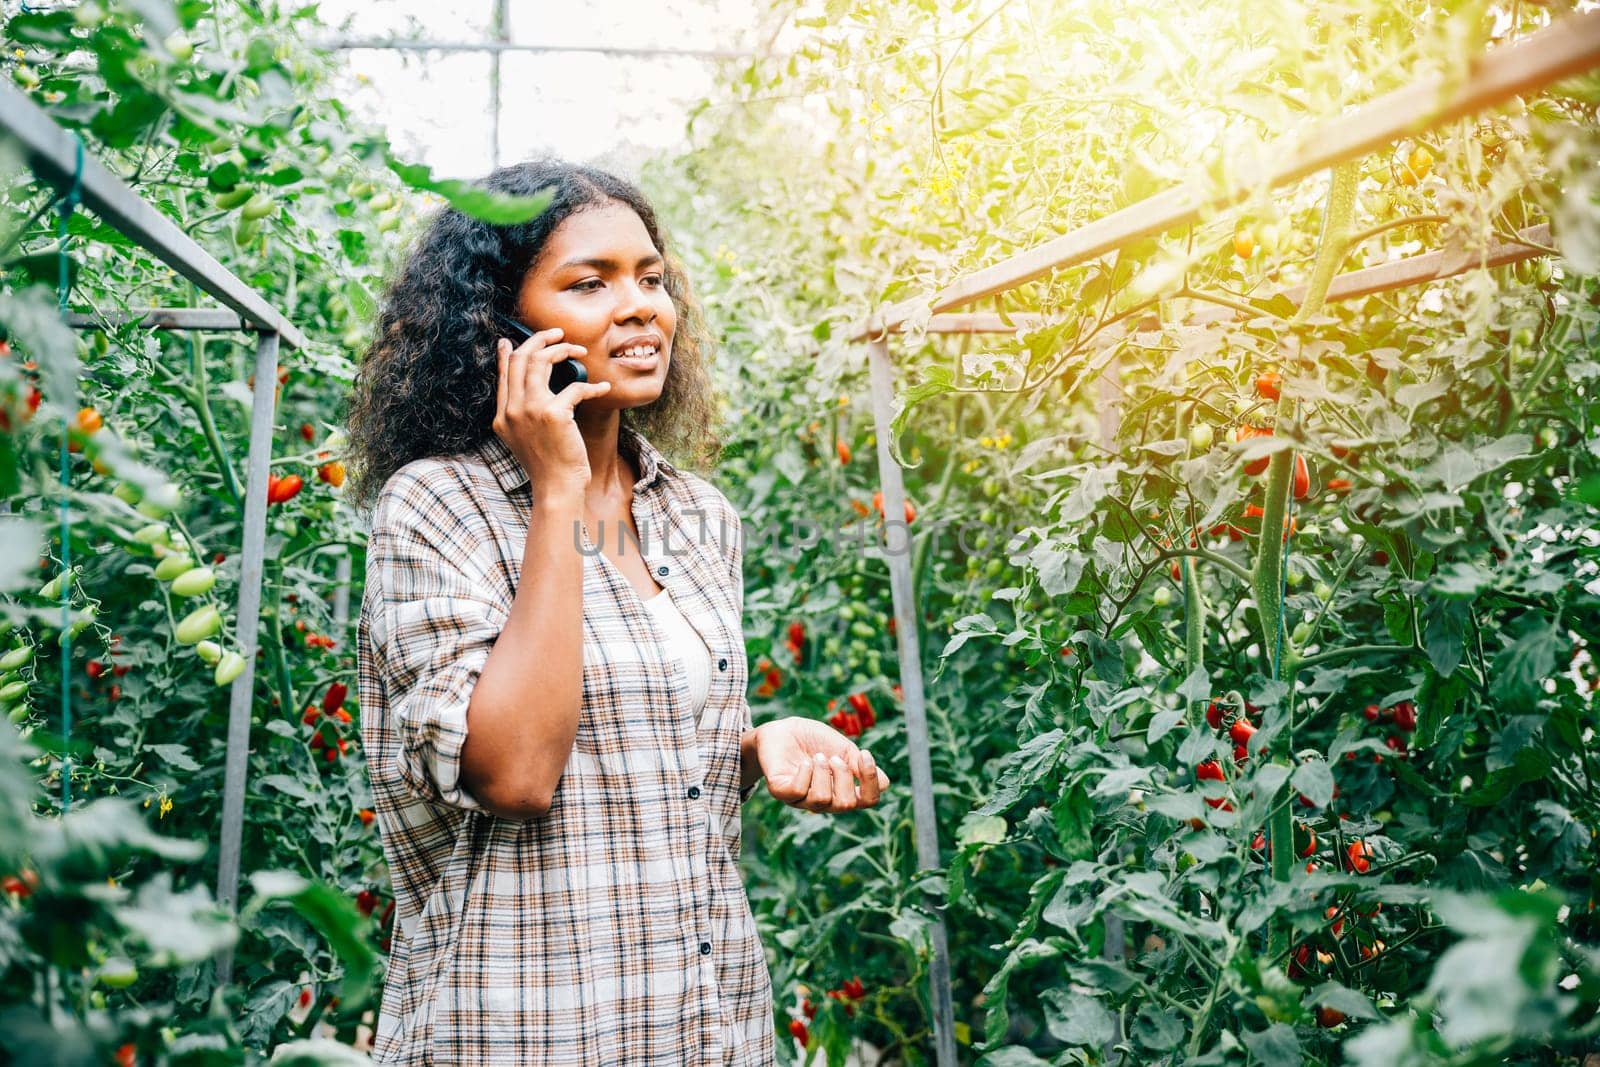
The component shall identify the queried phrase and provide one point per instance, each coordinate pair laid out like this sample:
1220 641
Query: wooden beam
1571 46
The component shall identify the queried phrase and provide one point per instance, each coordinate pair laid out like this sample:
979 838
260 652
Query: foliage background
903 145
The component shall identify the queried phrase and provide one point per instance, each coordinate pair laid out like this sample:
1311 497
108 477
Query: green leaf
1078 1019
1276 1046
981 829
1157 1029
1342 998
318 1052
1012 1056
497 209
1315 779
176 927
1444 627
1073 819
1023 769
333 915
1517 676
937 381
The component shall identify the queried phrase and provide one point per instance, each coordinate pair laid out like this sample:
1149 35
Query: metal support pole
500 27
906 617
250 574
341 594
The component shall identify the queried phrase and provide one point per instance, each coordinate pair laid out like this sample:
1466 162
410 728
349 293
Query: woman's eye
656 278
583 285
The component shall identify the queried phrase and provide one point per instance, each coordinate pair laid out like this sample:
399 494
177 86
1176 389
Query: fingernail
866 757
837 762
821 758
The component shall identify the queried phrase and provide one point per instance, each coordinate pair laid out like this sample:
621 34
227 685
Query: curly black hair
426 386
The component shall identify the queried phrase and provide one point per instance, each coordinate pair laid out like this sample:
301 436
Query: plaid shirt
615 929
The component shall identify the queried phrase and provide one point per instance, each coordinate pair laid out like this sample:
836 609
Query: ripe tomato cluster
332 745
1404 718
772 680
849 993
282 490
797 641
860 717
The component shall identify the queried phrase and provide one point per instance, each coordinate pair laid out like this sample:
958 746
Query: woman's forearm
749 765
523 716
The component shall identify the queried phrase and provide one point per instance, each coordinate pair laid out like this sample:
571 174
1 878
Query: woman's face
601 279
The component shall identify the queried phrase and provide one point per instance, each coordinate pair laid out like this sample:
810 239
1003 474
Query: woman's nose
634 303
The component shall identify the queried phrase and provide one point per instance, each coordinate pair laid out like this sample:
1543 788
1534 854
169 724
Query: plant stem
1268 584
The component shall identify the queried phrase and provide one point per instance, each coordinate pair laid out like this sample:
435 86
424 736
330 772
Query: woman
551 662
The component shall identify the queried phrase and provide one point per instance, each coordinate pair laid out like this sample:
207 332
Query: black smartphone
562 373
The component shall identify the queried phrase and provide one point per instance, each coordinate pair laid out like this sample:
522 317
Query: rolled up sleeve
433 629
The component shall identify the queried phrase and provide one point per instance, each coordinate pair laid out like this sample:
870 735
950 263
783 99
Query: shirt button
722 664
705 948
694 792
662 572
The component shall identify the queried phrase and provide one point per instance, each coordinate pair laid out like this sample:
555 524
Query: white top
685 645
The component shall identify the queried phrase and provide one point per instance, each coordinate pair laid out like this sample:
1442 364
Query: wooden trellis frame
1567 48
52 154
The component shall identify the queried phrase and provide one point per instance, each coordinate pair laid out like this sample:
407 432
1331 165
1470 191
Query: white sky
583 106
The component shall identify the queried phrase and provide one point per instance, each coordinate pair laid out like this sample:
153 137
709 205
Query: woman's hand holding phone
538 425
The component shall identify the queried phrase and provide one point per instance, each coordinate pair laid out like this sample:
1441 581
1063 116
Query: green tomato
85 619
1523 338
18 713
1324 591
1201 437
991 487
864 630
381 201
258 207
847 611
231 667
151 534
161 501
173 565
1293 578
246 231
180 46
17 657
200 623
196 582
1302 633
126 492
1162 596
235 197
12 691
118 972
97 1000
993 568
51 590
209 651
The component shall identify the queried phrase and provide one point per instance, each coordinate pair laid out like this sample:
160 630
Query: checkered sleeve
433 631
733 551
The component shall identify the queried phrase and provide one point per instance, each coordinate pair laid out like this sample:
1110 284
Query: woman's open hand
811 765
